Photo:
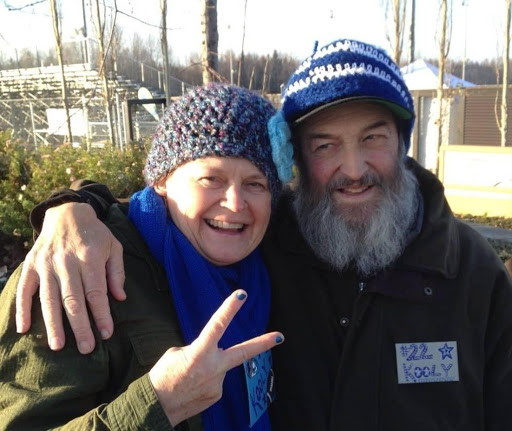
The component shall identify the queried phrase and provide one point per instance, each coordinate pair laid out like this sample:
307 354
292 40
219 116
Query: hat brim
397 110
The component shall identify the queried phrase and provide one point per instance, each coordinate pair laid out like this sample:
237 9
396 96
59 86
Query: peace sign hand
188 380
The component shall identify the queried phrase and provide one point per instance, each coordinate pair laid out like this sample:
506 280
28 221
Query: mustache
368 179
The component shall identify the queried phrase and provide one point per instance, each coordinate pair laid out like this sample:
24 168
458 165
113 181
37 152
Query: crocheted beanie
213 120
347 70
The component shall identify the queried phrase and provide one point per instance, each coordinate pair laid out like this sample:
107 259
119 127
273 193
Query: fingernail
241 296
84 347
105 334
56 344
279 339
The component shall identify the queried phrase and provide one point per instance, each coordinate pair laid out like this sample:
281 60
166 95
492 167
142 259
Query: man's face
351 152
355 199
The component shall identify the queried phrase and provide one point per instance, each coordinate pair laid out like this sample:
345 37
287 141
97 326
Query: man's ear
161 188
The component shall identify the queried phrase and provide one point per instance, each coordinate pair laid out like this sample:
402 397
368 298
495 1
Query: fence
31 104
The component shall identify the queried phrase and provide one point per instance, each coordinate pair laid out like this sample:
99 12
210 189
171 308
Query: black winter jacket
339 366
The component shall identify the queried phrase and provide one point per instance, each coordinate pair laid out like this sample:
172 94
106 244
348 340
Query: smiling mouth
223 225
353 190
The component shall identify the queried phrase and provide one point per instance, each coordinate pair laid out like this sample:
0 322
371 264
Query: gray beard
372 242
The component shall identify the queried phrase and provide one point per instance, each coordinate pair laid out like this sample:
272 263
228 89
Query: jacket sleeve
42 389
95 194
498 361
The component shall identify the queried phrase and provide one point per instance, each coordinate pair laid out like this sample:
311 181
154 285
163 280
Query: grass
502 247
502 222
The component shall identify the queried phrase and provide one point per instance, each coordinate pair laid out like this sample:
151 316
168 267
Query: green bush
27 176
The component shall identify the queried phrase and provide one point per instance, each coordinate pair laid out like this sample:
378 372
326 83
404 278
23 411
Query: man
397 315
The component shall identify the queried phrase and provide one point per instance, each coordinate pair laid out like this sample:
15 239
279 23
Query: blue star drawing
446 351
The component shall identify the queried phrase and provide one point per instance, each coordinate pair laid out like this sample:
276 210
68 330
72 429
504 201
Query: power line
12 8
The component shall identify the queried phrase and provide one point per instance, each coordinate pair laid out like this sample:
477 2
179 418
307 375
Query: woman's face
221 204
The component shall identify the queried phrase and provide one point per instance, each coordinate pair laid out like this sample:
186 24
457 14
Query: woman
190 240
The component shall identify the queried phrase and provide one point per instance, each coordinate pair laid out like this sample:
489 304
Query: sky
288 26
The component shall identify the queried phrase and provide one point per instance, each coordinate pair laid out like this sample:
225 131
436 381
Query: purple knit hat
213 120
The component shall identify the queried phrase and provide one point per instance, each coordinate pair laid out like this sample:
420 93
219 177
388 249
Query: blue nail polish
241 296
279 339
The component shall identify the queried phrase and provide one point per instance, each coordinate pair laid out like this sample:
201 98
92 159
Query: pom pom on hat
213 120
343 71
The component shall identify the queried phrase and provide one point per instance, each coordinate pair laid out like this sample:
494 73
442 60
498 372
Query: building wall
477 179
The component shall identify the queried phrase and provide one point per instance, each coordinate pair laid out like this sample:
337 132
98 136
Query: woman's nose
234 199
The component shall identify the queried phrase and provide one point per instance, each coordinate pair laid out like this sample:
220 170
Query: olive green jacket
108 389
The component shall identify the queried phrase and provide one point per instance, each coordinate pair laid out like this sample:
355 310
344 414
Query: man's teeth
224 224
355 189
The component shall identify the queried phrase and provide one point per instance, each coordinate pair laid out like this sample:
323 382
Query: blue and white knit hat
213 120
347 70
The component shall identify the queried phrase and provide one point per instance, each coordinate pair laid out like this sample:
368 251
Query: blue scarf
198 288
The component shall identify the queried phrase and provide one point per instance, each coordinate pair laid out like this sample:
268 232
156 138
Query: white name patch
427 362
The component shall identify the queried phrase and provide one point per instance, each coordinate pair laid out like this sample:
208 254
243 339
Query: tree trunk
58 46
412 33
396 47
265 77
103 72
395 12
165 52
440 76
210 55
241 63
504 95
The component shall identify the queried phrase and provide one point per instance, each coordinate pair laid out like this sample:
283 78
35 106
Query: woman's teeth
225 225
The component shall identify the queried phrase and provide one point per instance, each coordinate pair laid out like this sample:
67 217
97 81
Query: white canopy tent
421 75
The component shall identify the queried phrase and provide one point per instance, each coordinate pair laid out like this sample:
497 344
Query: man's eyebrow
376 124
319 135
324 135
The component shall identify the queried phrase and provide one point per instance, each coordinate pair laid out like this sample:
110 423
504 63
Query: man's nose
234 199
353 163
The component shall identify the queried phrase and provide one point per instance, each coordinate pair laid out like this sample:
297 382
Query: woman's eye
207 181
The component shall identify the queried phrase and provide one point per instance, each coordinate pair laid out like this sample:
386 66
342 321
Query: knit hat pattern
347 70
213 120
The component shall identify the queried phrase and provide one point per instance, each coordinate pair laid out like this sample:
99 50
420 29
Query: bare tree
100 35
395 13
210 52
504 95
412 33
58 47
444 48
241 63
165 51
